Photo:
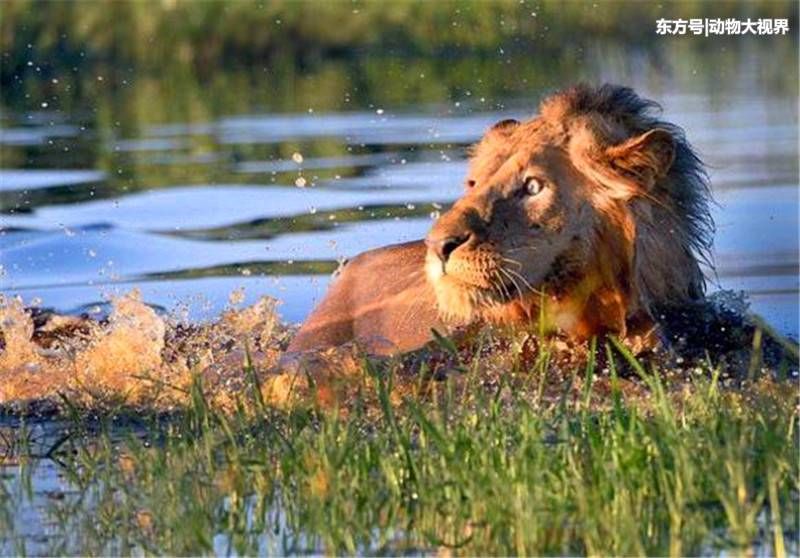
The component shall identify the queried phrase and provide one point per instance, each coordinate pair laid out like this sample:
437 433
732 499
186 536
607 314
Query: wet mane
674 227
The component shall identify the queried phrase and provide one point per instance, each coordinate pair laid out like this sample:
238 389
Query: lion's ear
499 130
505 126
646 158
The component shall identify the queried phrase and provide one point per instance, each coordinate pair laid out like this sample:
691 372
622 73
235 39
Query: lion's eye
533 185
470 183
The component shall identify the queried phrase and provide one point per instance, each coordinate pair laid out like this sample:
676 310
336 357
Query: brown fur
381 299
616 230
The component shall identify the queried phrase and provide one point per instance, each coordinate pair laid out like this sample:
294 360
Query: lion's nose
443 247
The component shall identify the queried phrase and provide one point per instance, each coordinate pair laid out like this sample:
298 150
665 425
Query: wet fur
640 229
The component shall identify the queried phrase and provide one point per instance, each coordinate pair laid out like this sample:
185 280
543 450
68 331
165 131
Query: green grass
472 468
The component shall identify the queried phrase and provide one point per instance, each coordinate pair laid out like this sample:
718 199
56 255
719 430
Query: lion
587 219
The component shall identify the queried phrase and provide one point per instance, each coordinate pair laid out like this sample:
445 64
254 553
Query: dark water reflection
191 191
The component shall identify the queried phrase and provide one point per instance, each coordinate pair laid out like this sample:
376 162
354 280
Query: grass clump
471 468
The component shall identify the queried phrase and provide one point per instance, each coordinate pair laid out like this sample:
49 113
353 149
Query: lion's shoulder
380 298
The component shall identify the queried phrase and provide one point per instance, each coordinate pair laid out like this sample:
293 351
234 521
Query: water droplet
237 296
379 111
300 182
44 105
297 157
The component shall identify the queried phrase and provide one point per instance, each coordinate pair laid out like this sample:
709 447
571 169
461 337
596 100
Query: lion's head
591 215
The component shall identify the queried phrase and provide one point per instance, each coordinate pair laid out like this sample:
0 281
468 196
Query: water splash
139 359
134 358
16 325
126 350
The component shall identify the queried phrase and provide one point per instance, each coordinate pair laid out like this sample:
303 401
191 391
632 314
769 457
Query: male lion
588 218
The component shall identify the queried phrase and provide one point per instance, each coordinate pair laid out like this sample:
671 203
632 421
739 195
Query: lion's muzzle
462 227
443 247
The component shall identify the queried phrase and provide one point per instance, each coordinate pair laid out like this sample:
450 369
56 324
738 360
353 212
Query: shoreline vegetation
146 34
472 446
93 47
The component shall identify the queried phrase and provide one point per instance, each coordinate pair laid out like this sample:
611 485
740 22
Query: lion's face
575 208
524 208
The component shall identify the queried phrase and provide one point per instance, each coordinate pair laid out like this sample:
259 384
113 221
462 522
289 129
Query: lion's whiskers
518 274
511 278
495 287
511 261
513 281
524 281
504 292
512 273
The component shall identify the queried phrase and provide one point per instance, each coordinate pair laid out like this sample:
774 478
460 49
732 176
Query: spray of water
133 358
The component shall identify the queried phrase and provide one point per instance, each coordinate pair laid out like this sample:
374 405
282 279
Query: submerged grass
469 469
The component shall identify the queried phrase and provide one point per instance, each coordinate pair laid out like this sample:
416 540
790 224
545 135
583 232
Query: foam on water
133 358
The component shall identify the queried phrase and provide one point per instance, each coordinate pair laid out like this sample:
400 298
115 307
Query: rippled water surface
267 200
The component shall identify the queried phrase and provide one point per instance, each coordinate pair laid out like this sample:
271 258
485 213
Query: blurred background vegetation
149 33
176 40
117 67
